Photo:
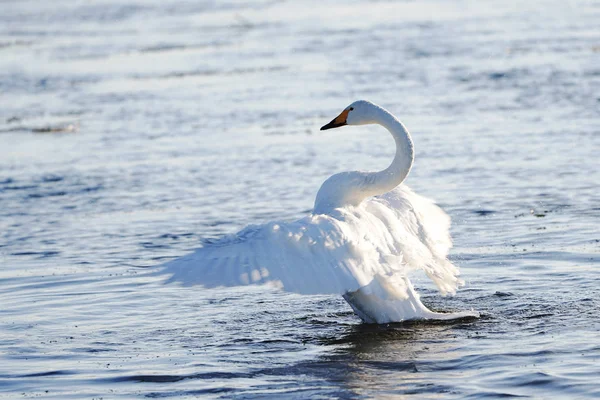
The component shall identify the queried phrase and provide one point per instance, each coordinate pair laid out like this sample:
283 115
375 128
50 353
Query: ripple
195 120
176 378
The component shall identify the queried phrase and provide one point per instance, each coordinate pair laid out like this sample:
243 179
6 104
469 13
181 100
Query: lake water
132 130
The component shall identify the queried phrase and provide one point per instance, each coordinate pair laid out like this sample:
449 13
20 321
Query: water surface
131 131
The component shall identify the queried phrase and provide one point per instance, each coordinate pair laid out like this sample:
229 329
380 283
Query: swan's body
366 233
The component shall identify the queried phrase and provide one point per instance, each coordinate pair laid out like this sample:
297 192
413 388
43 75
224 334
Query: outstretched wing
337 253
316 254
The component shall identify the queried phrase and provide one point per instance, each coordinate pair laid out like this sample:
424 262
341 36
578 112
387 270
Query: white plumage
361 248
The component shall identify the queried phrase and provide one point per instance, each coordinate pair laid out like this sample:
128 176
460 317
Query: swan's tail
394 299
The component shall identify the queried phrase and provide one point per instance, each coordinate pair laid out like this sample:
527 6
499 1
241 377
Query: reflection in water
388 358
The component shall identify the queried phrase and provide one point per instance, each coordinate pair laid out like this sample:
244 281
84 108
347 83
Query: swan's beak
338 121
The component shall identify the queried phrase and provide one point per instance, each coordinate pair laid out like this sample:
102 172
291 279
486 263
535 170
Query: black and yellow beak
338 121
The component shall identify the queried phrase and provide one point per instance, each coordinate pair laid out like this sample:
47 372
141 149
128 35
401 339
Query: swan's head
360 112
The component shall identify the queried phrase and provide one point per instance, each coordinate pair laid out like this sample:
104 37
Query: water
129 131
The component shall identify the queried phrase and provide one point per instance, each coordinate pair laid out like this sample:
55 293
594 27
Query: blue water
131 130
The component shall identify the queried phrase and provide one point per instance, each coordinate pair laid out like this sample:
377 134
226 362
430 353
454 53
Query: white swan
366 233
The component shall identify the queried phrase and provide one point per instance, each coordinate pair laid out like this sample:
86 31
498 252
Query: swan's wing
421 232
316 254
389 234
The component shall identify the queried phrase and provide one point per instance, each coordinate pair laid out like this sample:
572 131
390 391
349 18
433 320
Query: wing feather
427 229
390 234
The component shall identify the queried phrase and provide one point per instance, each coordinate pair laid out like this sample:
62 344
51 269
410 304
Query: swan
366 233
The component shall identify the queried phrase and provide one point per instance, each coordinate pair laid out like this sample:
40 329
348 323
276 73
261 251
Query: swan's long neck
386 180
351 188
